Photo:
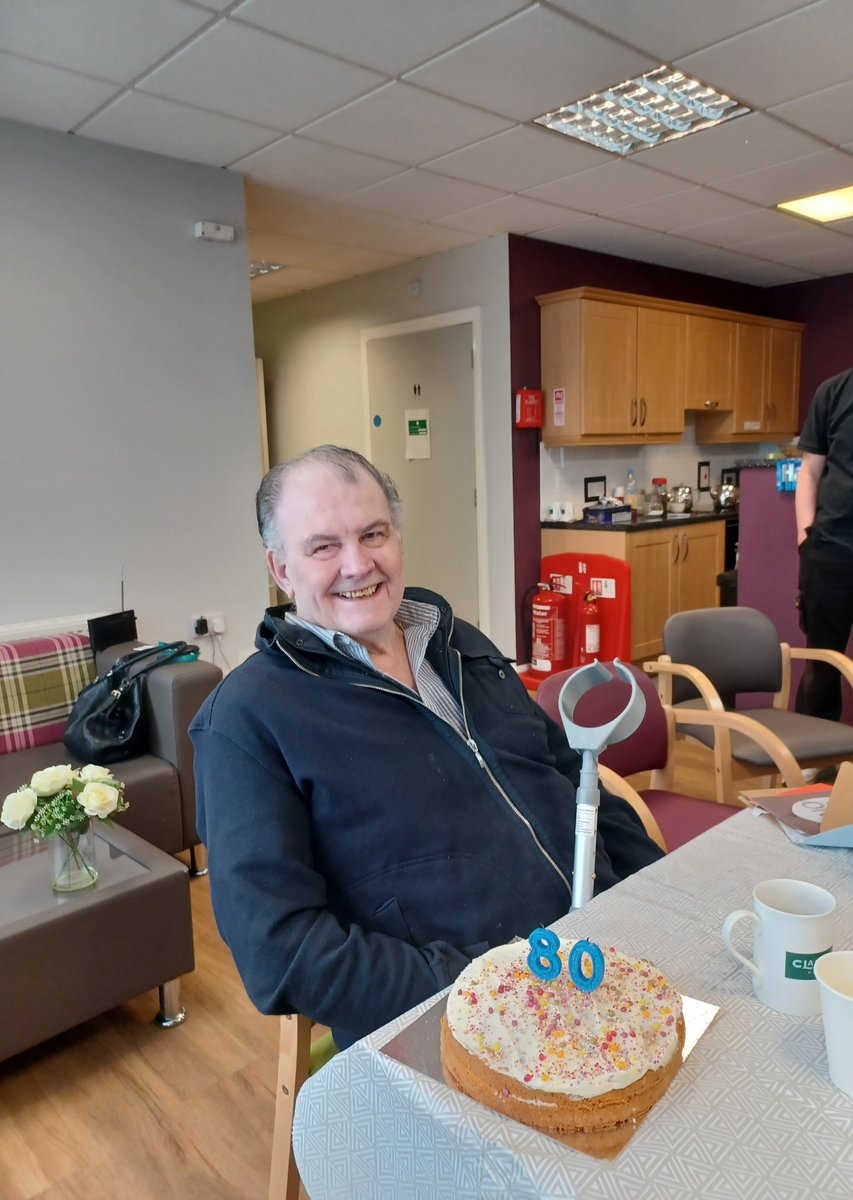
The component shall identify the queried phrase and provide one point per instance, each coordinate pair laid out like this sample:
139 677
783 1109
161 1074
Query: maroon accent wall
535 268
826 306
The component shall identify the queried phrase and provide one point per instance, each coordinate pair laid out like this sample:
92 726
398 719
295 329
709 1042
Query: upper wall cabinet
619 368
611 370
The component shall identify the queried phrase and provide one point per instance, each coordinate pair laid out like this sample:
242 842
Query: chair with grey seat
714 655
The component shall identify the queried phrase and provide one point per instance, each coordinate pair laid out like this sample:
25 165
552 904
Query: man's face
342 560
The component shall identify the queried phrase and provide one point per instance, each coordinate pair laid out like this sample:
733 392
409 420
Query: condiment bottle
659 494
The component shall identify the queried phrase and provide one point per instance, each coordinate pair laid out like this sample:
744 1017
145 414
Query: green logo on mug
801 966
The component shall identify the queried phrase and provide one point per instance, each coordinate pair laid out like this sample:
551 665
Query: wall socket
215 623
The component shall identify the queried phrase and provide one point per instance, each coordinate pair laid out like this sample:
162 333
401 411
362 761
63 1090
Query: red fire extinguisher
590 629
550 611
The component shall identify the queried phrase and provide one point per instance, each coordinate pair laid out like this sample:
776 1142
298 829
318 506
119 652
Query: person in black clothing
824 504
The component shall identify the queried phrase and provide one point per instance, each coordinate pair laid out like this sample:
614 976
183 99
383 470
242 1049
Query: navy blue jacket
361 850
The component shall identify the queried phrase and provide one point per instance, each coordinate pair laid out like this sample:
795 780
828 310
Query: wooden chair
714 654
670 818
293 1067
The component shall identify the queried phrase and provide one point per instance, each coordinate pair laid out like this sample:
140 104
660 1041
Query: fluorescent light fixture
260 267
824 206
655 107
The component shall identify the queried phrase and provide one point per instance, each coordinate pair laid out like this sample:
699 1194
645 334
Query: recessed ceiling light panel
656 107
824 206
260 267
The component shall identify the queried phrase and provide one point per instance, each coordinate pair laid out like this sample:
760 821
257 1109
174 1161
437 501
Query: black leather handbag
107 723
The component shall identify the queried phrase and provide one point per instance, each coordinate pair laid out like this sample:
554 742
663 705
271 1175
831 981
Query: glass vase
72 859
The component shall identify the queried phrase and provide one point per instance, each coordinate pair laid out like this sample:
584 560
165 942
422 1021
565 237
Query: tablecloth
752 1114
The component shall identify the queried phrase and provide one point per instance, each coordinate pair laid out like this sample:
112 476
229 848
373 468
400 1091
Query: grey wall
128 405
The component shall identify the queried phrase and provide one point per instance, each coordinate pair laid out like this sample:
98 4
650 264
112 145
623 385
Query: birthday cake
559 1056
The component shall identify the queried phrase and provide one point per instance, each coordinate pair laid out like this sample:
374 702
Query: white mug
834 974
793 925
554 511
567 511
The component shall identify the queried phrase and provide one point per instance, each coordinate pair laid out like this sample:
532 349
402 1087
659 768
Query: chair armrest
738 722
621 788
834 658
665 666
172 695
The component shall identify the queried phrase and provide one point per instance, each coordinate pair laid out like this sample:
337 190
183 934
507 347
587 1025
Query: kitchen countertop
670 521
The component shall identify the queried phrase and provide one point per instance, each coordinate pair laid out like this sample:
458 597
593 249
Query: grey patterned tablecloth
750 1116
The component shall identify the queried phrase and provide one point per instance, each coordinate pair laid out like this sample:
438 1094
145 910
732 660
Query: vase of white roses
59 804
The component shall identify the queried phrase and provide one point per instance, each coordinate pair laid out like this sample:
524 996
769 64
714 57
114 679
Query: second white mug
793 925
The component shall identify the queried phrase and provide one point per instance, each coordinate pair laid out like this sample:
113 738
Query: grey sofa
159 784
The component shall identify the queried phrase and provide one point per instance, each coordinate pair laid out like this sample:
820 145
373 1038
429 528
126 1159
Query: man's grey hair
349 463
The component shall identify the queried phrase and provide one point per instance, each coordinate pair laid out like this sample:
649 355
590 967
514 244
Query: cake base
605 1122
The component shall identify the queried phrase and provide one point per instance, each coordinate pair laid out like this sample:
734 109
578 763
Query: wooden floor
119 1108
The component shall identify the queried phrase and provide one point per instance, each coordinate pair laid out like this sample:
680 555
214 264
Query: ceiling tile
271 208
521 157
48 96
419 240
792 180
388 35
509 214
285 283
304 252
798 53
343 224
164 127
744 227
530 64
421 195
741 144
592 233
315 169
828 114
113 39
665 249
404 124
683 208
613 184
826 262
665 28
801 237
258 77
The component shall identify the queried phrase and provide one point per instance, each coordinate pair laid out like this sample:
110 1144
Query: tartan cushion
39 682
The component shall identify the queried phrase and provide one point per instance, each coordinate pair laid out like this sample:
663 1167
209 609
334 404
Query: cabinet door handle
642 412
634 411
712 404
686 544
676 548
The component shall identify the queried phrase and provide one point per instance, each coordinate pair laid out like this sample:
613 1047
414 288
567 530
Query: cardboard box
601 514
815 815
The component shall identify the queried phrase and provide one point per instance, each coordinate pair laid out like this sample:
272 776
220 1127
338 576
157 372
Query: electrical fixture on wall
823 206
641 112
415 288
212 231
260 267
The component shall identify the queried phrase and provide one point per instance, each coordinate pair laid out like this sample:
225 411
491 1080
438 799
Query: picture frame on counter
729 475
594 487
703 477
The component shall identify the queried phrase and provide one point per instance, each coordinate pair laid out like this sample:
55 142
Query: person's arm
808 481
271 902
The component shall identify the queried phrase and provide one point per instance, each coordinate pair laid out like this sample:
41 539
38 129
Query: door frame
462 316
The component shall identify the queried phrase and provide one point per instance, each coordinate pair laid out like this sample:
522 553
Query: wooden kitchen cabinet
673 568
620 369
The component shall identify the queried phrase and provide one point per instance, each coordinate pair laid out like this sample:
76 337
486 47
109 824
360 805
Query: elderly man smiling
380 798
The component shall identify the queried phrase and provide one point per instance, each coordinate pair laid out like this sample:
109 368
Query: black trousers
826 618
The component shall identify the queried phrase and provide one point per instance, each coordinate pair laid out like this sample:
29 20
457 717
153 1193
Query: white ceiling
372 132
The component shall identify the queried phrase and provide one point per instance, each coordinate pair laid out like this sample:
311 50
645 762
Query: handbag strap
160 655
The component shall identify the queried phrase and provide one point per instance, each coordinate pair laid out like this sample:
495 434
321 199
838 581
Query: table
750 1116
64 959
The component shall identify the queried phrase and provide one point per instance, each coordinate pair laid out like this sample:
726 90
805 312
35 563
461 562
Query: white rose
98 799
91 773
18 808
51 780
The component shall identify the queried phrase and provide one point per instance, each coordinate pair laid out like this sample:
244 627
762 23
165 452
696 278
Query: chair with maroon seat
677 817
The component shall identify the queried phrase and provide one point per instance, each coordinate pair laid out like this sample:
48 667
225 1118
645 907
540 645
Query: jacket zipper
469 742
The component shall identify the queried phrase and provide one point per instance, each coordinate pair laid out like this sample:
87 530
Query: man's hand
811 472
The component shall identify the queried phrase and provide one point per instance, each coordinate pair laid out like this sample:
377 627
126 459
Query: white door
430 370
